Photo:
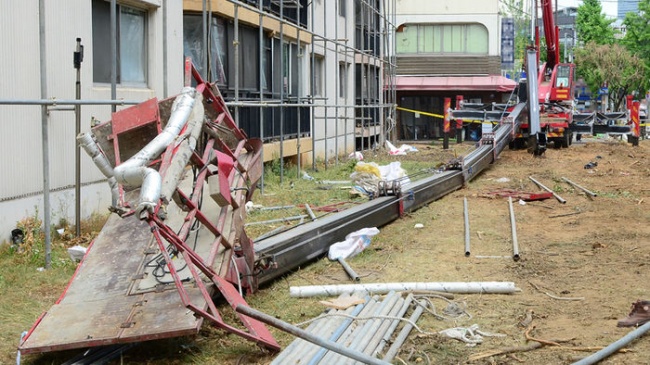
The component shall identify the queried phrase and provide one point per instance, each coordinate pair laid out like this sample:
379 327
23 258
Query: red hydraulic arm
551 34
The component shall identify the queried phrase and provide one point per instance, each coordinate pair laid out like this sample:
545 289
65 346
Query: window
193 46
442 38
342 5
290 63
131 30
343 80
318 76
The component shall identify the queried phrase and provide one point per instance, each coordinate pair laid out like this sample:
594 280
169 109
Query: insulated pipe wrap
134 172
92 149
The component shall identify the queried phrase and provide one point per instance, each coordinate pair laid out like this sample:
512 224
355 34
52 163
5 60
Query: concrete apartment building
305 76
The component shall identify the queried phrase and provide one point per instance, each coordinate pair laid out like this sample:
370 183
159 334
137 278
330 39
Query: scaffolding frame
358 113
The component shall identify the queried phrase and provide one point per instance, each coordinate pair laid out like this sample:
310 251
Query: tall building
626 6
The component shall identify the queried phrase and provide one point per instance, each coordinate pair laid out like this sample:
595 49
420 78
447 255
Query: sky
609 6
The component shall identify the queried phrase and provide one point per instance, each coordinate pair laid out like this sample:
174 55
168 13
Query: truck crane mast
554 91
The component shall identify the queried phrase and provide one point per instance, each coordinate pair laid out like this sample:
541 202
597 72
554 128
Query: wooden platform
114 297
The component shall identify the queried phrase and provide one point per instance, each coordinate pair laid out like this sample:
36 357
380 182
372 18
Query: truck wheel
566 139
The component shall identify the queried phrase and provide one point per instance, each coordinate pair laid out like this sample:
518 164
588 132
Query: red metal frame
242 256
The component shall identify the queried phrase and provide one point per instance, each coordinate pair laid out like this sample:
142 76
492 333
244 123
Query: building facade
445 49
626 6
305 76
39 65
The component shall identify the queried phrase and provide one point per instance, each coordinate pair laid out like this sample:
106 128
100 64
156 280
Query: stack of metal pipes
367 328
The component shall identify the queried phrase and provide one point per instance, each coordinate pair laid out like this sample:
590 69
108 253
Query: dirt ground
582 263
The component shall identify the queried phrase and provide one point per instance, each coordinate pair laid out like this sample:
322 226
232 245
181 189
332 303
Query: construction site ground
582 264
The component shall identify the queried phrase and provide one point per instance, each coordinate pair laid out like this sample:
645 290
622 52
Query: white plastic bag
354 243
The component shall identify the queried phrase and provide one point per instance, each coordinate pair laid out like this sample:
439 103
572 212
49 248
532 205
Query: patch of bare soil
582 263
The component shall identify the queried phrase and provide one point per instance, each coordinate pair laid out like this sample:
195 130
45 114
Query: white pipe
89 145
379 288
135 173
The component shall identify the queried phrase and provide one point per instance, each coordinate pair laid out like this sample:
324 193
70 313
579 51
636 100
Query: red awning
460 83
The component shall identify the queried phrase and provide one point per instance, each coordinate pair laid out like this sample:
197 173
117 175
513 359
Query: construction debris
366 328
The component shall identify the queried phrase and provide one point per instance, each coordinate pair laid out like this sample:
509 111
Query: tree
637 37
612 65
592 25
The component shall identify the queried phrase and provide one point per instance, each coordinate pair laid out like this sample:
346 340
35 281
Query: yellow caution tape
421 112
441 116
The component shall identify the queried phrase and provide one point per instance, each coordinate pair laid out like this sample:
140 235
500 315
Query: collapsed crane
548 91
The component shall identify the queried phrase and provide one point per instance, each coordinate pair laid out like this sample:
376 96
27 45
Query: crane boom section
551 34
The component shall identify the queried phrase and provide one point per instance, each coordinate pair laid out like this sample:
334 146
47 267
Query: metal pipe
559 198
614 347
382 331
513 227
294 218
399 340
337 333
78 57
113 30
45 135
493 287
296 331
580 187
349 333
310 212
165 52
466 217
53 101
348 270
389 331
304 349
363 336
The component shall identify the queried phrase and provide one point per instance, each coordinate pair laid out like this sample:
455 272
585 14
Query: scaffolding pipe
364 335
337 333
348 270
54 102
382 330
588 192
45 135
310 212
113 53
559 198
296 331
614 347
399 340
393 325
486 287
466 217
346 337
279 220
78 58
513 227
